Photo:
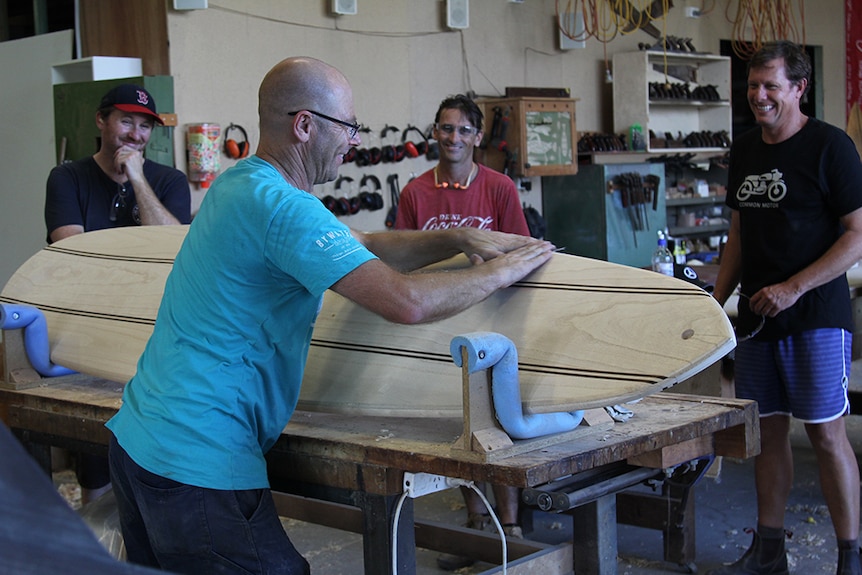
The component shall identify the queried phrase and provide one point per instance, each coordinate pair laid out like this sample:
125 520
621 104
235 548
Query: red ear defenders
235 149
411 149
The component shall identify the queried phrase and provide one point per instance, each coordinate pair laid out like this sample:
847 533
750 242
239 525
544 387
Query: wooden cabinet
680 100
527 137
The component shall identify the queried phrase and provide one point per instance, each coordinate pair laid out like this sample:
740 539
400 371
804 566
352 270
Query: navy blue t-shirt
80 193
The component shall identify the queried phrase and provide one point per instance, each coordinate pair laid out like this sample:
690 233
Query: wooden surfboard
588 333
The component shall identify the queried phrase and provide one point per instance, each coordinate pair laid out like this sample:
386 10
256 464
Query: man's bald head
300 83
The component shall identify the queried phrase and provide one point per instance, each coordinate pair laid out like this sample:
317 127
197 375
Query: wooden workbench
347 472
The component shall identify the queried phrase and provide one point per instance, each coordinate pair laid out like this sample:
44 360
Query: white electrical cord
502 534
452 483
395 532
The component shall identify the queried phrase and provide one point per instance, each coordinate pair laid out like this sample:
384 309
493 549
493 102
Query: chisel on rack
625 195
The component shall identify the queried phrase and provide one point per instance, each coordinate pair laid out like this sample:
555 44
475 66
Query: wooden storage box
540 136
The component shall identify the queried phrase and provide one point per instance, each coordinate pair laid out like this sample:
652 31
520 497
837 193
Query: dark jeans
193 530
91 470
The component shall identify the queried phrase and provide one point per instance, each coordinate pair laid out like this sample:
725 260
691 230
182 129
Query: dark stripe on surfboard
80 313
650 379
628 289
532 368
114 257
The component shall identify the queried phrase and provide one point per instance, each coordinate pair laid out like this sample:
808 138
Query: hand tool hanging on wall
652 183
394 196
491 134
500 127
637 192
642 200
620 182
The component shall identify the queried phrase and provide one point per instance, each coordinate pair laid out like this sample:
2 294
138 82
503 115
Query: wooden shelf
634 157
691 231
635 71
695 201
692 103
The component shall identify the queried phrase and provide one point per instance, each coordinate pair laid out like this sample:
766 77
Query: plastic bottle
679 252
636 138
662 260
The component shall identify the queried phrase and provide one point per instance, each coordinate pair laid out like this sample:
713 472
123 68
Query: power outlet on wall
458 14
190 4
345 7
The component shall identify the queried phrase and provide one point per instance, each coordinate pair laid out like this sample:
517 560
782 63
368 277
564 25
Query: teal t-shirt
221 374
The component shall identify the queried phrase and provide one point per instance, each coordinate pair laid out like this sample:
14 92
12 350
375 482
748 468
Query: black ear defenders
433 150
235 149
339 206
388 151
371 199
367 199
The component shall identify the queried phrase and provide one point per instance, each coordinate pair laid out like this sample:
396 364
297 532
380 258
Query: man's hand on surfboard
520 261
486 245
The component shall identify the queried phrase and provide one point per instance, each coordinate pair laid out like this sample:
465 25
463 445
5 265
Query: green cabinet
584 214
75 106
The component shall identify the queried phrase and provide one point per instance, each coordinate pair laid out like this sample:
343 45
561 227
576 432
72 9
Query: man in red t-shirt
458 192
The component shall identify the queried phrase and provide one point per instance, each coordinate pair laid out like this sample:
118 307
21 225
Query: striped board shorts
804 375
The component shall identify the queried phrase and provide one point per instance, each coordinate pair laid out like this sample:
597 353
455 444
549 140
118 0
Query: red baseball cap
131 98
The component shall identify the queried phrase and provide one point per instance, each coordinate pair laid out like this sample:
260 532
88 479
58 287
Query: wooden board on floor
588 333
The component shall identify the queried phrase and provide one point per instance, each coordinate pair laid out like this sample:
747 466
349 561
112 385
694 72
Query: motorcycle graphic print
771 184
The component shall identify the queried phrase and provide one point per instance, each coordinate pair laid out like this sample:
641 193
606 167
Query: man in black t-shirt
795 191
115 187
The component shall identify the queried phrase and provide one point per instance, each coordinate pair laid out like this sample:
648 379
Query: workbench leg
672 511
679 535
595 536
378 512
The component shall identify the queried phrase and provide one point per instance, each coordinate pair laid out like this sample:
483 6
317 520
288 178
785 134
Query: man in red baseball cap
115 187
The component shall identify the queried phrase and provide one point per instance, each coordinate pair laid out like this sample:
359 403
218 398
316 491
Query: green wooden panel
574 212
75 106
586 220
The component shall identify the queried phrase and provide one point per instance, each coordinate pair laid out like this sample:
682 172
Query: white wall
398 54
27 148
402 61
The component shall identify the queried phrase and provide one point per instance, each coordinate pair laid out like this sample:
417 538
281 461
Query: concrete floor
725 507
